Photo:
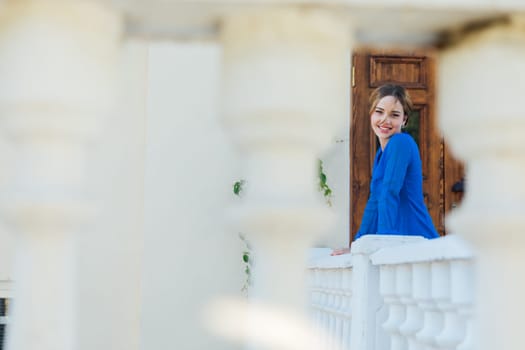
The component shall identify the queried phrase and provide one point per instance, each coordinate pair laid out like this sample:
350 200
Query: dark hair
397 91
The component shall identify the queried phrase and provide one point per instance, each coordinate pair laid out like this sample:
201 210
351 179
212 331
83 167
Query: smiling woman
396 204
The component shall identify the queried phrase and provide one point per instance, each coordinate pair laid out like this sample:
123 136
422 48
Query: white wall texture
109 256
190 255
7 239
336 164
6 253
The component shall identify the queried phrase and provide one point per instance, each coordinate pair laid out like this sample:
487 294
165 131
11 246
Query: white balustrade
331 292
426 287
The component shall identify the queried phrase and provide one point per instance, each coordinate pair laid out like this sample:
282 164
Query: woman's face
387 118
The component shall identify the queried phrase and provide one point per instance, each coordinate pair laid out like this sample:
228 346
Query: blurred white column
56 67
284 77
482 82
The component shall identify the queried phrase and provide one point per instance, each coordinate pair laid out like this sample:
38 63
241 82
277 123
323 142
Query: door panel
416 72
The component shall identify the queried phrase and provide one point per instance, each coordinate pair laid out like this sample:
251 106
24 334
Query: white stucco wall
190 255
6 253
109 255
336 164
7 240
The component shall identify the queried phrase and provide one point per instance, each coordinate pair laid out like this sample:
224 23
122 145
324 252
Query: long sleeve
397 160
396 205
369 217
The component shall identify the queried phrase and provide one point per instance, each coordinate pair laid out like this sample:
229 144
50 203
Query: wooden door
416 72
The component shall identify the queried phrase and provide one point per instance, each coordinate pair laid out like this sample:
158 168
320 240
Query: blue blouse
396 205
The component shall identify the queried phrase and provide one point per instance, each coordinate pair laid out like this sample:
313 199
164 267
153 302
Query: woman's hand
340 251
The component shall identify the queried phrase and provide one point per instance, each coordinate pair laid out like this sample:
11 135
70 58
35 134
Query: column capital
57 64
477 109
59 56
285 67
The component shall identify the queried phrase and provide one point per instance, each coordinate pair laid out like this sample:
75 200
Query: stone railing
331 295
395 293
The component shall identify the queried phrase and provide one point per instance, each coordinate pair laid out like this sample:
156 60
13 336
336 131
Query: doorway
442 174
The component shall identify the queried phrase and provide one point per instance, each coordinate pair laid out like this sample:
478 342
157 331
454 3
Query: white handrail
395 293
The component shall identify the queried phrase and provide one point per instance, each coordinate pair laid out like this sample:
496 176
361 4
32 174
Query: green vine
246 254
323 185
247 260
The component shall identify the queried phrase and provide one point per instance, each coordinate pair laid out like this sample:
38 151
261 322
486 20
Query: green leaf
237 188
246 258
327 192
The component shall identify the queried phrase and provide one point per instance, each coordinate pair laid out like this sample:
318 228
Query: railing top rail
320 258
370 244
451 247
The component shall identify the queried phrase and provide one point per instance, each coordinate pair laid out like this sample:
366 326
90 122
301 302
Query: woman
395 205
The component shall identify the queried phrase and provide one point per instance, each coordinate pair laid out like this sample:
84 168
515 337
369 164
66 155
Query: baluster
462 296
313 273
403 290
423 297
414 320
323 305
396 311
387 289
345 308
414 317
321 297
432 315
338 309
335 308
322 302
453 329
330 309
